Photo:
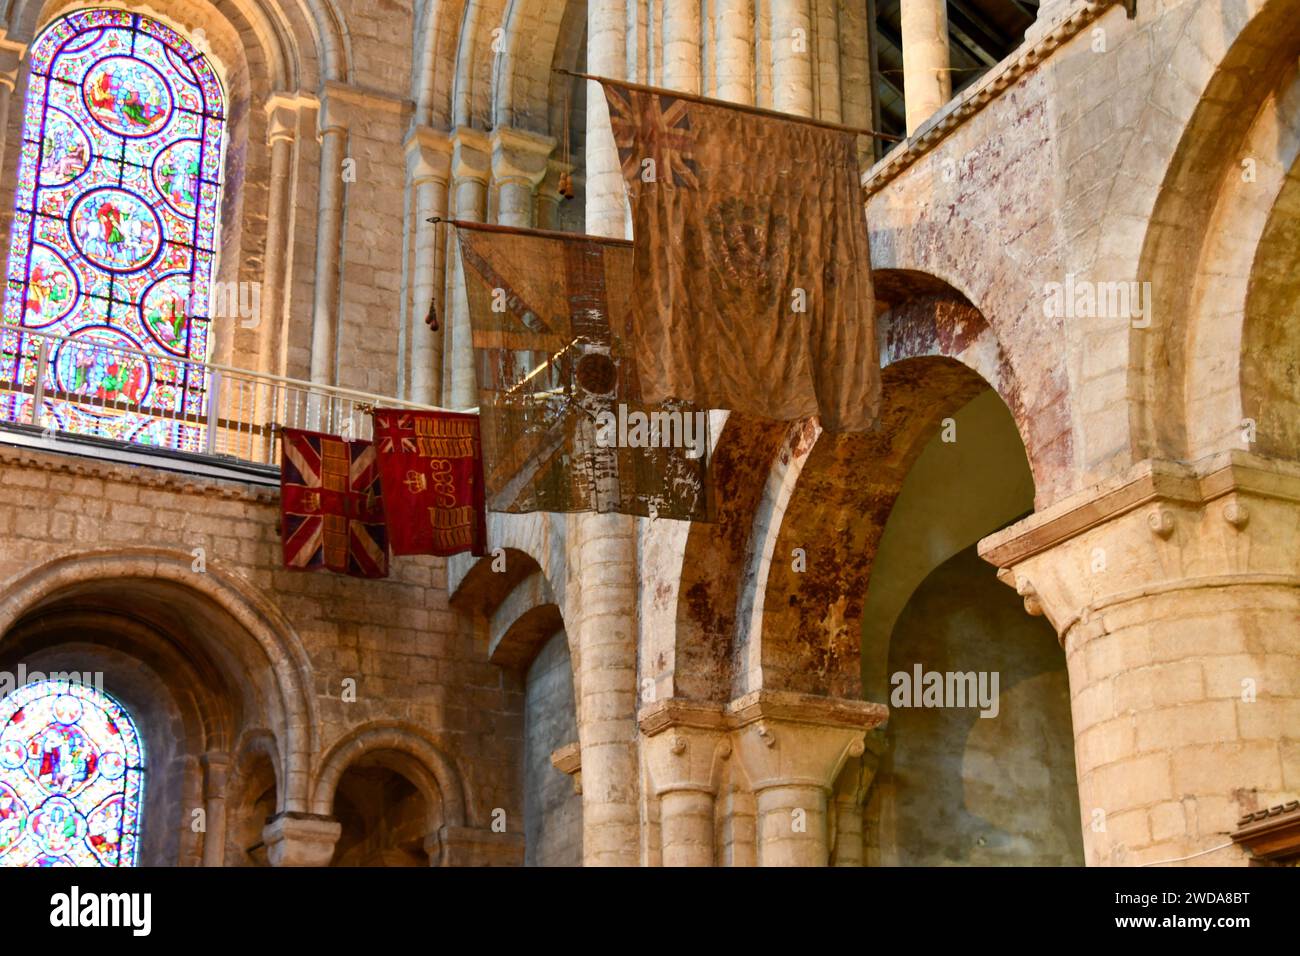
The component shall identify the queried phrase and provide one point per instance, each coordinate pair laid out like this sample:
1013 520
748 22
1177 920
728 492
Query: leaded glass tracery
71 778
114 232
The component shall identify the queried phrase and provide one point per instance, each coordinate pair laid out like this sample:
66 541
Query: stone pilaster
301 839
1175 590
332 133
792 57
470 172
282 119
216 774
428 175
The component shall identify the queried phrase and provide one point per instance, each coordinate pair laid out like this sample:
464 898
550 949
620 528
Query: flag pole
727 104
536 233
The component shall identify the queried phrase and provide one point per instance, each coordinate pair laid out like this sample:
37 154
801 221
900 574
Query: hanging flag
752 276
331 512
564 424
431 468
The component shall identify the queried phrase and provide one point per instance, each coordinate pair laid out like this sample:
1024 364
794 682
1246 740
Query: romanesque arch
230 636
1238 148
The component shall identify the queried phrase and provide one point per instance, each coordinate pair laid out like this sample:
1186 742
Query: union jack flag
660 127
331 512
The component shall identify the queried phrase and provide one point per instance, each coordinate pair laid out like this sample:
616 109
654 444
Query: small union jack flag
658 125
395 432
331 512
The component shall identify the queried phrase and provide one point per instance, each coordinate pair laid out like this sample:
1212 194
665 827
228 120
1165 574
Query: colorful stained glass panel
71 778
114 226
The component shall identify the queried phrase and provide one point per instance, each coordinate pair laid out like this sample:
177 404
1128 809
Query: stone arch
525 89
938 353
433 772
237 628
1198 255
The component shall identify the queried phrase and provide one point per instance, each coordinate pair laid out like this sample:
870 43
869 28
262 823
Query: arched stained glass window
71 778
114 233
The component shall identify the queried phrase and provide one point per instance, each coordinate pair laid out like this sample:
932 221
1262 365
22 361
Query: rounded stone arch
938 353
240 632
473 81
538 35
421 762
1188 371
437 38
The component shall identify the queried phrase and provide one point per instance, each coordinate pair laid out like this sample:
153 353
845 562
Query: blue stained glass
113 230
71 778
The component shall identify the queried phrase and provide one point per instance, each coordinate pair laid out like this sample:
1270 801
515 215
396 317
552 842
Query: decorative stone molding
1272 835
301 839
142 476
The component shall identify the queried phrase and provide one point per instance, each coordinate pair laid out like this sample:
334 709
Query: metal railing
91 387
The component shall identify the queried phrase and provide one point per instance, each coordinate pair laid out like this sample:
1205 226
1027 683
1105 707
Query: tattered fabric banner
752 287
431 468
563 421
331 512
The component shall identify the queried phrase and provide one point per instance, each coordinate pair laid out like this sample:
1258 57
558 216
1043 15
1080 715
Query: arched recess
234 656
1188 369
938 353
394 791
518 613
251 797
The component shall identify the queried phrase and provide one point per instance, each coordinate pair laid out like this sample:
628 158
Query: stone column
301 839
470 171
683 743
216 772
792 57
600 612
281 137
519 163
681 66
793 747
1175 590
548 195
333 137
926 79
428 171
733 25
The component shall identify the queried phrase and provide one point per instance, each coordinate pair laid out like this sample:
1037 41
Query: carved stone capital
519 156
428 155
470 155
301 839
1232 518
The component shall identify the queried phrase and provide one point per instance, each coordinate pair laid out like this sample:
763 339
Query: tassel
431 320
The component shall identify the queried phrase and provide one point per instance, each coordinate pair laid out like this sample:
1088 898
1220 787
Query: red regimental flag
431 465
331 512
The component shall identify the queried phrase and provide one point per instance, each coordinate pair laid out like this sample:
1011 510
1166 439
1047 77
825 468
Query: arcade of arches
1083 521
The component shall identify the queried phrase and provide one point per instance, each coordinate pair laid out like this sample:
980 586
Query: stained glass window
114 232
71 778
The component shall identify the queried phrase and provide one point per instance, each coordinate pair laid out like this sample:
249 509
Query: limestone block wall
417 667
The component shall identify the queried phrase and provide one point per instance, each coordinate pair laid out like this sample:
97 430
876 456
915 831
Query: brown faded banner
564 424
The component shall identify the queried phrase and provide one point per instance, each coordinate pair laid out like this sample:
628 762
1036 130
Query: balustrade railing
99 389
